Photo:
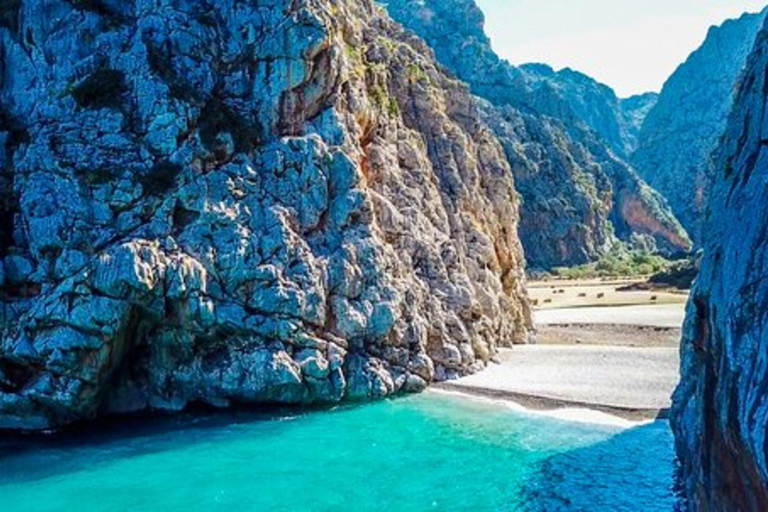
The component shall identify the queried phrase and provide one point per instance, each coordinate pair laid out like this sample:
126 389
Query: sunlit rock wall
240 202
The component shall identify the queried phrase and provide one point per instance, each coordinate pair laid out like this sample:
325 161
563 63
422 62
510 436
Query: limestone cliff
681 132
239 202
635 110
720 412
574 97
578 195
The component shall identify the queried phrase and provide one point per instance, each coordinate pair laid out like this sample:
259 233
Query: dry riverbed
608 335
593 293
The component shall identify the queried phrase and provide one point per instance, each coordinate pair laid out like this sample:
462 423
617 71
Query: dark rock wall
720 410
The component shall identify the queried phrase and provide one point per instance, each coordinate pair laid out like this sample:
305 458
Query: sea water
430 452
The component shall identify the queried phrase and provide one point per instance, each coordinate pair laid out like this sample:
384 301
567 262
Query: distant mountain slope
574 97
682 130
636 109
578 195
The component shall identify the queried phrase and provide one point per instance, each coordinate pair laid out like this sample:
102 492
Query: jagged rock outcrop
239 202
578 195
720 411
566 203
636 109
574 98
683 129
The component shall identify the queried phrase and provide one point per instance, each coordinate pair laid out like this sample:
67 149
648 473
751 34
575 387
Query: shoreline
585 414
548 404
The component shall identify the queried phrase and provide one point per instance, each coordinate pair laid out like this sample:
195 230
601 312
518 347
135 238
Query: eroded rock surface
577 98
562 134
720 411
239 202
683 129
636 109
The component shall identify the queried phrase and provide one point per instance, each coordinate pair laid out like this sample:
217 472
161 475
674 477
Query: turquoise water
420 453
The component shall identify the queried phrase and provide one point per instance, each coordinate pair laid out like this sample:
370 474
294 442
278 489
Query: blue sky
633 46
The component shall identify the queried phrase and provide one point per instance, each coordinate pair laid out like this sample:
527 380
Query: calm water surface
421 453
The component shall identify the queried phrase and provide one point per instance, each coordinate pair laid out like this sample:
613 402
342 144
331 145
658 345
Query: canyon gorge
309 202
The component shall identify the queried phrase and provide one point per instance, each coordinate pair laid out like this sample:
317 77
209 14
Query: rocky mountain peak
578 194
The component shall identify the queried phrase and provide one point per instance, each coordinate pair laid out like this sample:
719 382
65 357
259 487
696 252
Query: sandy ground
606 334
597 349
662 315
572 294
634 383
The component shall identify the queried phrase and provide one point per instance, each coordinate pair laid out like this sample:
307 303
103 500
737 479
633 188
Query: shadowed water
427 452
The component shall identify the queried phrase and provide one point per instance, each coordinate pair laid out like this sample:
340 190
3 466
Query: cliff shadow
616 475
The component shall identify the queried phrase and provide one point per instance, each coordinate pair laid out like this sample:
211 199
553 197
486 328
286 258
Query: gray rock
683 129
231 202
636 109
563 134
574 98
720 412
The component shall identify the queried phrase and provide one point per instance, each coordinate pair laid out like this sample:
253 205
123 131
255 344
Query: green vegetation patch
381 98
618 264
417 74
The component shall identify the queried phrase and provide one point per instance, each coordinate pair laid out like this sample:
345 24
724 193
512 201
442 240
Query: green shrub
620 263
645 269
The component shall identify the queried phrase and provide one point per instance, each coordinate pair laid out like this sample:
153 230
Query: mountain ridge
683 129
579 197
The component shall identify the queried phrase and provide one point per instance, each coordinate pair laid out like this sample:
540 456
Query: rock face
578 195
566 202
636 109
720 412
577 98
240 202
683 129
